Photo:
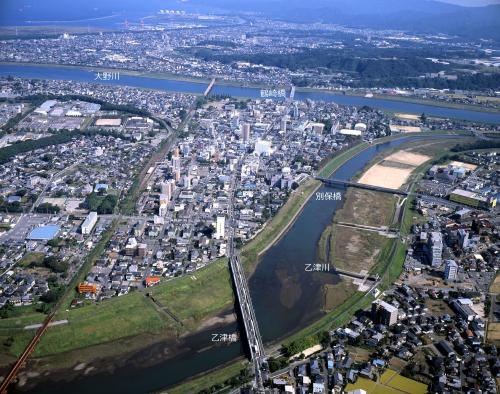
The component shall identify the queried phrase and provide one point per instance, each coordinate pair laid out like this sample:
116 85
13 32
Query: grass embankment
131 315
220 378
209 290
104 322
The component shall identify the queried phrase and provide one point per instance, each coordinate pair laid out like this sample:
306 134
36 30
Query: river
285 297
82 75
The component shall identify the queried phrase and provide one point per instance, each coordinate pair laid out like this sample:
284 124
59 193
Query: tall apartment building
451 270
384 313
220 227
435 248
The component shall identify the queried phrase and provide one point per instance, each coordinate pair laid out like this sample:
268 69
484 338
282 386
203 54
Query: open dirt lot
495 286
393 176
367 207
494 333
385 176
408 116
406 157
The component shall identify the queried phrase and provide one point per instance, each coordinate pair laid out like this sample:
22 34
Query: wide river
81 75
285 297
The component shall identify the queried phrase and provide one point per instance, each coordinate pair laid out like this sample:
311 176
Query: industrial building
472 199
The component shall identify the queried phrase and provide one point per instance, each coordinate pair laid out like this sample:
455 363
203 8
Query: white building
220 227
263 147
89 223
451 270
384 313
163 208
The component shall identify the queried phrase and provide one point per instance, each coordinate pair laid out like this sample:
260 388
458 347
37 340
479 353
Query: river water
285 297
80 75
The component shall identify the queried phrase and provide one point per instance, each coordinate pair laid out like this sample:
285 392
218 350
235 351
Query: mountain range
418 16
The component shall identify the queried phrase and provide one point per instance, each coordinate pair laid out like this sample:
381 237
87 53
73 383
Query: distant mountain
421 16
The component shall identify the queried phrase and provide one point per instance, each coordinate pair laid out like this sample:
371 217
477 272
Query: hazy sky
471 2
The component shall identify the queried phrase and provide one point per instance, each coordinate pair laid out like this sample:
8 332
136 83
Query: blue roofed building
44 233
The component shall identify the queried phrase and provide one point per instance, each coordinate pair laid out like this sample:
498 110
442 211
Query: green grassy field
354 249
35 258
367 207
12 331
182 295
104 322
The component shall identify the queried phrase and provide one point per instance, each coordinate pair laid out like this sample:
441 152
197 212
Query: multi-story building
384 313
220 230
451 270
89 223
435 248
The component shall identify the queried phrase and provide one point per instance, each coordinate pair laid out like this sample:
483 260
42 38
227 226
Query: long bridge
209 88
342 183
257 353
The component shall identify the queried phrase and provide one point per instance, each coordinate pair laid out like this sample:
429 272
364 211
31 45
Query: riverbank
411 100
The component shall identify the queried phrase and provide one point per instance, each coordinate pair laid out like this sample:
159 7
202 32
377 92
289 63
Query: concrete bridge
255 345
209 88
339 182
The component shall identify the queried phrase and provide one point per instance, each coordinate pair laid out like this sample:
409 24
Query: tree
423 117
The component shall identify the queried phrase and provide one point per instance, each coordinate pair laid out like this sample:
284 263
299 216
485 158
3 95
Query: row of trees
65 136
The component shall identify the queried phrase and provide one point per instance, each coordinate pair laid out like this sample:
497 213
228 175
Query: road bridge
209 88
257 353
339 182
